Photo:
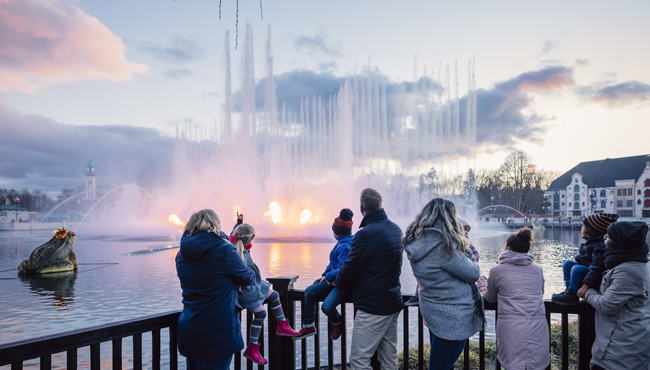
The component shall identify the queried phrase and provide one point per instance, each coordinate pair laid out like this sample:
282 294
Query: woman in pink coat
517 284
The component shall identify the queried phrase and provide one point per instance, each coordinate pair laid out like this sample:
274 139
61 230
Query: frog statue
54 256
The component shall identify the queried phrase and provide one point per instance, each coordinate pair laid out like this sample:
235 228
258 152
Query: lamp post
491 204
16 208
592 194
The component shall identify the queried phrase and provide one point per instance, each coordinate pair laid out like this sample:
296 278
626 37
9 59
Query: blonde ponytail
243 235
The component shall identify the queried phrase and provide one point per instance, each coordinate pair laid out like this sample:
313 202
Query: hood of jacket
516 258
430 239
345 239
195 246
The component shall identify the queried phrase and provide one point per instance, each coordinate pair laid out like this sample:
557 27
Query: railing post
282 351
586 334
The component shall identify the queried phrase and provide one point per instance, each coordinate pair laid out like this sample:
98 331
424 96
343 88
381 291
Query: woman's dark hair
520 241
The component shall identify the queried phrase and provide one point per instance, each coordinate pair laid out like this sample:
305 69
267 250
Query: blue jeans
333 297
574 273
444 353
222 364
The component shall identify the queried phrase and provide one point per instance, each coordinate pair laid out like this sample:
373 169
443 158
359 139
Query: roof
8 207
91 164
604 172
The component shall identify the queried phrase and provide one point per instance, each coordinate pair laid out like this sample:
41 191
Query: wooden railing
281 351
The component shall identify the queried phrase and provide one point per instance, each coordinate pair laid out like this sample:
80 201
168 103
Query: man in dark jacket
373 268
210 271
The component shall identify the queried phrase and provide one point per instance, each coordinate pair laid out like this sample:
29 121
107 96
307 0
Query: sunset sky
572 77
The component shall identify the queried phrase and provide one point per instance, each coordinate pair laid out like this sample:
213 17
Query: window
630 191
646 193
576 181
576 205
646 203
583 204
576 188
619 203
618 192
562 195
562 204
646 182
638 192
630 203
603 204
603 194
593 203
638 201
576 196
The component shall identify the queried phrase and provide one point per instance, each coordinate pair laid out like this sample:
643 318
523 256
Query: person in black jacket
373 269
587 269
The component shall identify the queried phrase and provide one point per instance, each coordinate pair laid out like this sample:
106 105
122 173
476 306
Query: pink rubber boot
285 330
252 353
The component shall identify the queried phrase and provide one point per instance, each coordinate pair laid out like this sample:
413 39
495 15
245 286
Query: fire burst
305 216
275 211
174 220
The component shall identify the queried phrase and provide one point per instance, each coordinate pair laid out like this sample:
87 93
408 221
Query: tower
91 177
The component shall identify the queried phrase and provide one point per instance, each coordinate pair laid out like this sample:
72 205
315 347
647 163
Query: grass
491 351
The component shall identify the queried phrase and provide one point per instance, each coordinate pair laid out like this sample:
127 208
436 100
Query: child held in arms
415 299
323 287
587 269
622 302
252 297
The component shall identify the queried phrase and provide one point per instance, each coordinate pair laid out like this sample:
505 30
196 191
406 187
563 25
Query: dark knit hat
343 224
600 221
628 235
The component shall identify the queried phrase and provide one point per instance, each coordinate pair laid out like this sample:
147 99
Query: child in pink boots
252 297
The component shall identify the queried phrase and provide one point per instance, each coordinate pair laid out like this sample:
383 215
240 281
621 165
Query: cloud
316 43
38 152
44 42
179 50
177 73
619 95
548 47
505 114
582 62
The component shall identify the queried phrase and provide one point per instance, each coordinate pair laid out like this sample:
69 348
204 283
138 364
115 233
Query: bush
556 345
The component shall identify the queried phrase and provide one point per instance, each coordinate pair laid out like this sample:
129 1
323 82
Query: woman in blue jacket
210 271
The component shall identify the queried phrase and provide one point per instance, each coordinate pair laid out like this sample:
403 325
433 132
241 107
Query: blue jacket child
325 287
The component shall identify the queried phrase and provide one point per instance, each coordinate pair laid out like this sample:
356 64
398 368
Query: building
618 185
9 213
91 181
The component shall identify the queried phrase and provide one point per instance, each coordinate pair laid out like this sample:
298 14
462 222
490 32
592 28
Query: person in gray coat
450 302
622 303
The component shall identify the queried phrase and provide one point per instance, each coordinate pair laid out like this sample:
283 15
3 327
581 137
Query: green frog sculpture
56 255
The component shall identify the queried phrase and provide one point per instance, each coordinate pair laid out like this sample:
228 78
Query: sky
563 81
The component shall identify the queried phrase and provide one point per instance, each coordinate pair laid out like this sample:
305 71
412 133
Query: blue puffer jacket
338 255
592 254
374 265
210 270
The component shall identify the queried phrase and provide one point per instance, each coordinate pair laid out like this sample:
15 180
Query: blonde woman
210 272
252 297
441 260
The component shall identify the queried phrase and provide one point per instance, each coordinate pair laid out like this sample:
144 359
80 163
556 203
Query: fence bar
17 366
71 359
303 343
46 363
117 353
282 356
94 357
420 340
137 352
330 346
173 348
261 342
496 316
481 350
344 347
466 359
548 322
405 316
249 321
565 341
317 338
586 335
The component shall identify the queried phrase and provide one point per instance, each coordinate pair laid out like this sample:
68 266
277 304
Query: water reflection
275 259
57 287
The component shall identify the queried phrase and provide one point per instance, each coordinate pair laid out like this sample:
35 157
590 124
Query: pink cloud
44 42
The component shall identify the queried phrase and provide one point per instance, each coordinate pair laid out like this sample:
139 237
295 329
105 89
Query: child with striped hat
587 269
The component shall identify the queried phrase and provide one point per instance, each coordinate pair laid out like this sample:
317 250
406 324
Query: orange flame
174 220
275 212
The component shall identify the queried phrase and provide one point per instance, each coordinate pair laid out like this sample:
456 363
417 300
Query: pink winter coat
517 284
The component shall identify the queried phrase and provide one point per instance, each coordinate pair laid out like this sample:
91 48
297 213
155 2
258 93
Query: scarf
234 241
615 258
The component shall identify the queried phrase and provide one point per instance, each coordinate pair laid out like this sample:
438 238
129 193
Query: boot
567 298
252 353
336 331
413 301
284 330
306 331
